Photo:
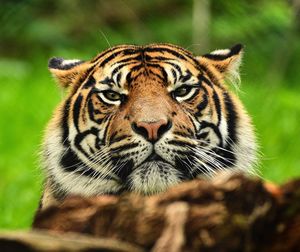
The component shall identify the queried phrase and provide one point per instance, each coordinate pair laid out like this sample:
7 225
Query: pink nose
152 131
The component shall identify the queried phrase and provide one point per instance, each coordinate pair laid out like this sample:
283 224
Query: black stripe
168 45
109 58
129 59
182 55
64 123
135 69
71 163
174 75
124 147
129 78
76 111
196 92
176 66
217 105
202 105
184 170
205 124
89 83
107 81
118 78
124 52
82 78
110 50
191 117
114 138
163 71
184 78
202 78
92 111
211 76
106 127
117 69
227 158
231 117
180 143
157 58
202 135
79 138
124 172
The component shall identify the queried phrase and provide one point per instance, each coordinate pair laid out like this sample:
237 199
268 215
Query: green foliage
27 98
31 33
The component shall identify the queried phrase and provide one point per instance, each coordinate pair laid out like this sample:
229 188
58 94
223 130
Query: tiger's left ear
225 61
66 71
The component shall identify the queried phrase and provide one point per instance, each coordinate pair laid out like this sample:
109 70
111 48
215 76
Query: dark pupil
112 95
181 91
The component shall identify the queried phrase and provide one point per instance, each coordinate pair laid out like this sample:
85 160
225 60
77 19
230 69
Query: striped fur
92 145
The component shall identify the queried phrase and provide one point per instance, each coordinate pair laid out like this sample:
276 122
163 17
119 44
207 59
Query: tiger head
144 118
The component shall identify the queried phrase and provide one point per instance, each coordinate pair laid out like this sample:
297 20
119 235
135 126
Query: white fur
148 178
69 62
221 52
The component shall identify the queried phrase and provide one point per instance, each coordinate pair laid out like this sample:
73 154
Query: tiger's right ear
66 71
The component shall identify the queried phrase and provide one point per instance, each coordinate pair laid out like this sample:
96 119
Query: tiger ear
225 61
66 71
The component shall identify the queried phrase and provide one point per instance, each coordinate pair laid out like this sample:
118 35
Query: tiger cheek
96 111
119 127
182 122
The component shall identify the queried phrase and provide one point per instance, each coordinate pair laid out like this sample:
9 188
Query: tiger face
144 118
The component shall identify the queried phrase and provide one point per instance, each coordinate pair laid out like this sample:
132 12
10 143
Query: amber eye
182 91
112 95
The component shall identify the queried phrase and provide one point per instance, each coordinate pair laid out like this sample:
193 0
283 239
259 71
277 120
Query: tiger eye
182 91
112 95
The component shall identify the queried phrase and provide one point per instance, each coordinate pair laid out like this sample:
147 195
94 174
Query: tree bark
227 214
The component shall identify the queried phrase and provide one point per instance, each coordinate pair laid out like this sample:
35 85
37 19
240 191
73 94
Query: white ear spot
71 62
221 52
62 64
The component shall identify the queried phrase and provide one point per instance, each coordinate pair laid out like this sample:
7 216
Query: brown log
39 241
232 214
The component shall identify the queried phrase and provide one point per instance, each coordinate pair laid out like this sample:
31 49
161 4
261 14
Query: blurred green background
34 30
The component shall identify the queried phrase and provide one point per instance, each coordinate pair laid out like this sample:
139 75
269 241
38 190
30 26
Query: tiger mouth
154 157
153 175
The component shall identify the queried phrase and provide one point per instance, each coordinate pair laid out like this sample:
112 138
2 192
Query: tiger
144 118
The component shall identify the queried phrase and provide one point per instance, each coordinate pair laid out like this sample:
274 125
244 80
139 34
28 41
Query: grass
276 112
28 96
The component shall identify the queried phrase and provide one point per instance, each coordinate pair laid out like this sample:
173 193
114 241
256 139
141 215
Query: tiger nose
152 131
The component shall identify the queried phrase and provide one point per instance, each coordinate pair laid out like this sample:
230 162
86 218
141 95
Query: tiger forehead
169 64
116 50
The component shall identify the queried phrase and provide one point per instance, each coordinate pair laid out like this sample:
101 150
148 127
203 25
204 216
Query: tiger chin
145 118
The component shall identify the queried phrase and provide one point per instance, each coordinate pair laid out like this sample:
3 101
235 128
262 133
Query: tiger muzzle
151 131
